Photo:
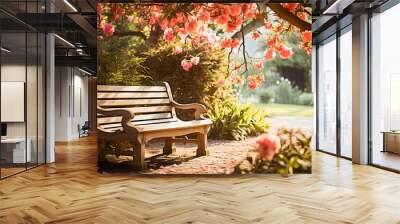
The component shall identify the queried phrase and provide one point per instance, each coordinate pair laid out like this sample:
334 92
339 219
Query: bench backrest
151 104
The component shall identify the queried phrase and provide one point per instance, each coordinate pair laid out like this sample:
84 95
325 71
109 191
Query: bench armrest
127 116
199 108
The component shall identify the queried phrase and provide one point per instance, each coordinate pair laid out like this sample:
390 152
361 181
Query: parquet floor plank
71 191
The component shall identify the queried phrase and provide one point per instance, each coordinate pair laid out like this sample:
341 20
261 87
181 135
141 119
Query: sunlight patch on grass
275 110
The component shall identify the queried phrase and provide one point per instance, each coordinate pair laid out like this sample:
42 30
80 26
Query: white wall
14 73
33 126
71 102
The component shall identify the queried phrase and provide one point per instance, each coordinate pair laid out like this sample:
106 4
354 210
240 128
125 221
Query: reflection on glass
22 90
385 85
346 94
327 96
15 151
31 97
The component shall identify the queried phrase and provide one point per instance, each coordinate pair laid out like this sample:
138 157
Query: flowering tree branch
281 12
290 17
244 48
130 33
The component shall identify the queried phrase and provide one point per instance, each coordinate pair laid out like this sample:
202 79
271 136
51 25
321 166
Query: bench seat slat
161 124
150 109
148 122
121 103
107 88
131 95
105 120
173 126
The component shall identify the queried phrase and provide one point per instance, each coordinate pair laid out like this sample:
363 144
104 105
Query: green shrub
200 82
285 93
129 61
266 96
272 79
234 121
306 99
117 65
293 156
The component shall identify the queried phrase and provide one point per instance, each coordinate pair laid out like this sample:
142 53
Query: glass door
327 96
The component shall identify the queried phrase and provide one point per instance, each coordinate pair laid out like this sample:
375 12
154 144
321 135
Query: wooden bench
138 114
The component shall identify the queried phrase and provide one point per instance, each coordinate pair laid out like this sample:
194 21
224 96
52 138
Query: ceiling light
65 41
5 50
337 7
70 5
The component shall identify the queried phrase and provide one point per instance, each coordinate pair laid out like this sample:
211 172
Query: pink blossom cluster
187 64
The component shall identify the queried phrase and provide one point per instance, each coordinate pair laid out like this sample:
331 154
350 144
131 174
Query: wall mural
205 88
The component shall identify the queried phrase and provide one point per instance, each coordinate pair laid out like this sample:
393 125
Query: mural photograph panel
205 88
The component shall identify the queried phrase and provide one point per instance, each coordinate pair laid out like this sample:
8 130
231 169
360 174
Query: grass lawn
275 109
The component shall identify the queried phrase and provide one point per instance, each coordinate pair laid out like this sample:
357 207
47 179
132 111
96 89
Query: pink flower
191 25
108 29
169 35
129 19
260 78
164 24
221 82
235 10
230 27
255 35
234 43
290 6
186 65
100 25
306 36
258 65
99 8
269 54
173 22
303 16
268 25
204 16
237 80
226 43
235 65
268 145
195 60
285 52
177 50
252 85
153 20
222 19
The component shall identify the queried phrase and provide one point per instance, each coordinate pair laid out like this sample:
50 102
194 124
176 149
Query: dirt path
223 154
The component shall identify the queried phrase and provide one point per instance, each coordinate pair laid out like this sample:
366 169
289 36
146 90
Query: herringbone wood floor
71 191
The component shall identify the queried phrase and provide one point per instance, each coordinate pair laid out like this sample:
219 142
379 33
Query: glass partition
346 93
22 91
385 89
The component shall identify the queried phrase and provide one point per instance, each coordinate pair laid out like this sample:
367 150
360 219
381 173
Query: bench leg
169 146
101 148
138 156
201 144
